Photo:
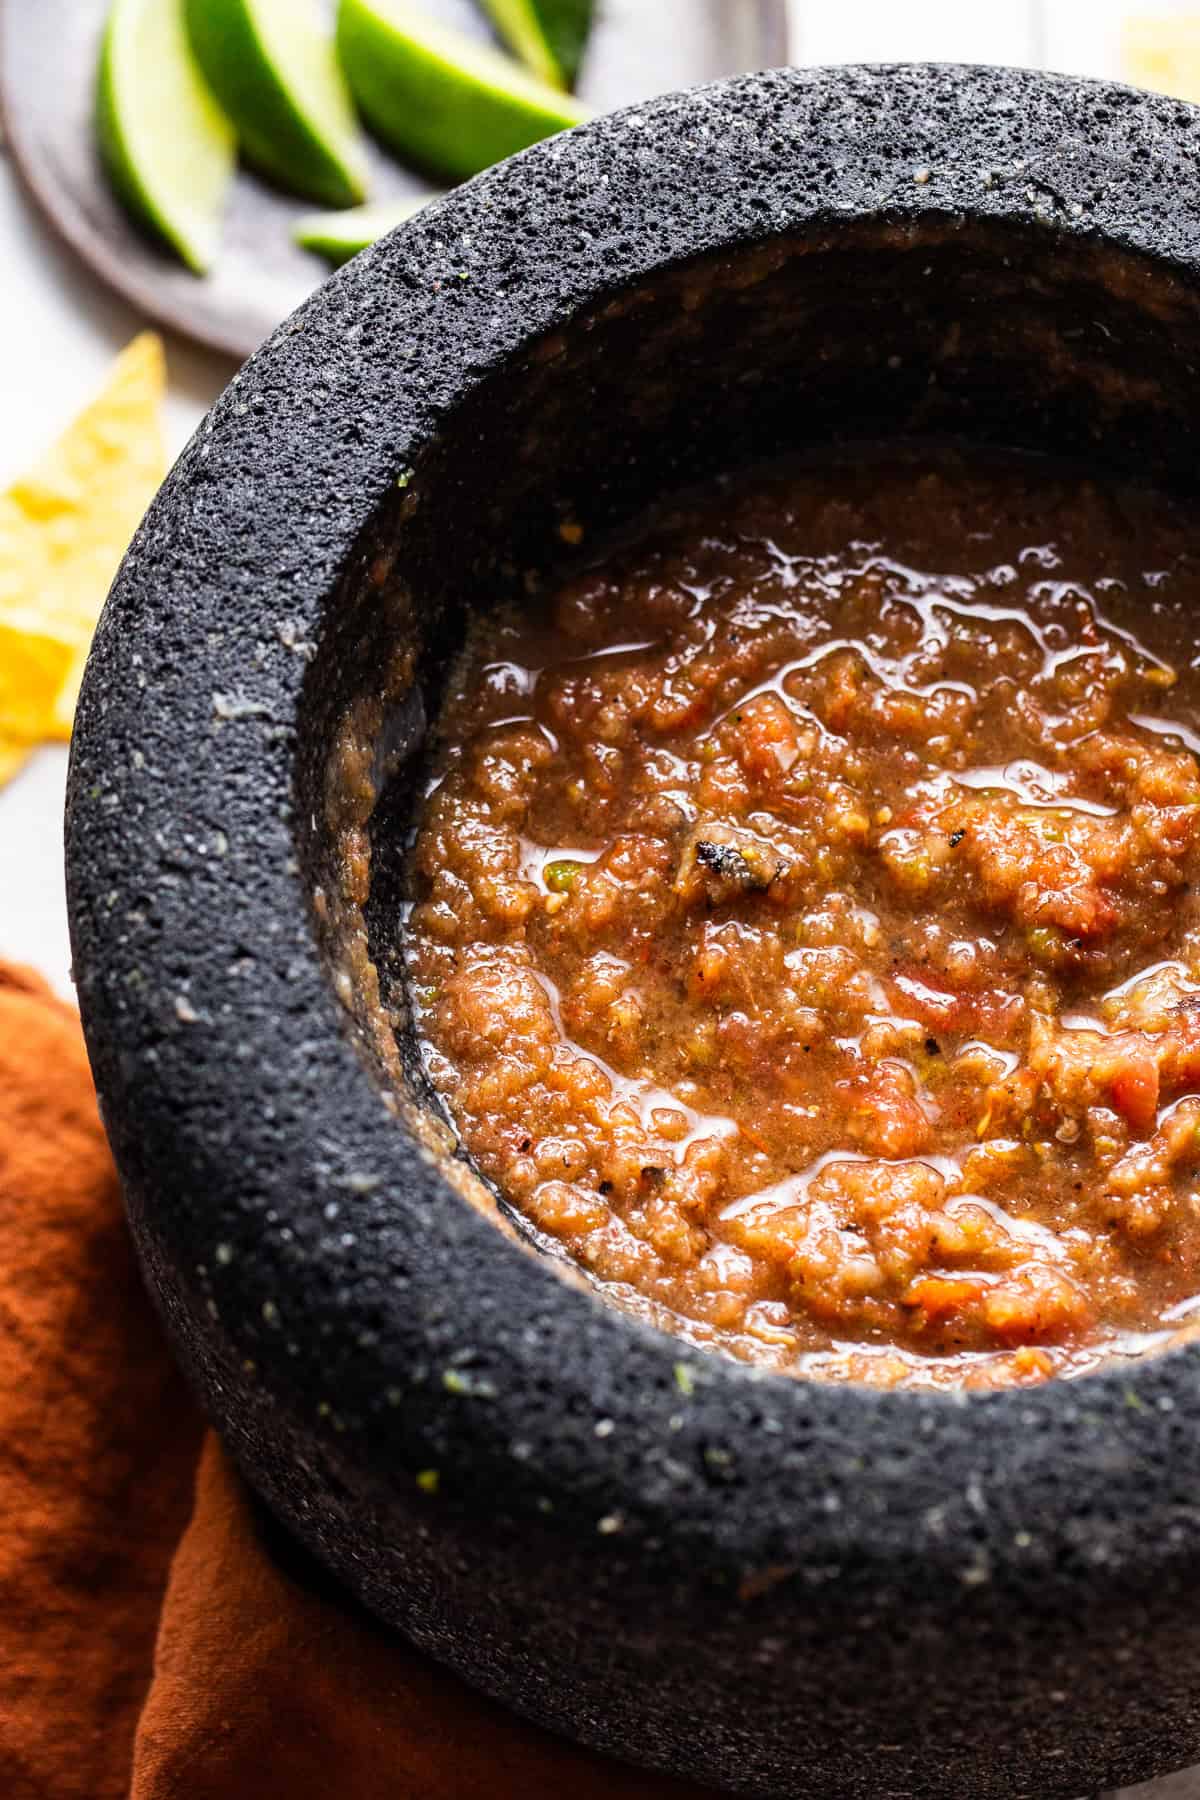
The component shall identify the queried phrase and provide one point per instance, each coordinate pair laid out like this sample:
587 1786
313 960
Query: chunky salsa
807 936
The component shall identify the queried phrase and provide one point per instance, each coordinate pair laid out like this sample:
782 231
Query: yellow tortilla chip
1163 54
65 526
33 666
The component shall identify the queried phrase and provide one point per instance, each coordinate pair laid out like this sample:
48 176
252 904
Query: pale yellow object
34 663
1163 53
65 526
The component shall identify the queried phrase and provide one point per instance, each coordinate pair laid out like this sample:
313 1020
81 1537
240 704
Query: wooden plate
48 57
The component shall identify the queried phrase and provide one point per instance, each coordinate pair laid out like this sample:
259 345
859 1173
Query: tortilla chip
65 526
33 666
1163 54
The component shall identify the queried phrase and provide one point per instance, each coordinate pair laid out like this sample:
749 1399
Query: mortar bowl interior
973 330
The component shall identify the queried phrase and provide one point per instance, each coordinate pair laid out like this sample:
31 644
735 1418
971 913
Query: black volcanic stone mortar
780 1588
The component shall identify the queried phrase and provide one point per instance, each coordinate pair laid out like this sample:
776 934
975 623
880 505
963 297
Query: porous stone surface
777 1587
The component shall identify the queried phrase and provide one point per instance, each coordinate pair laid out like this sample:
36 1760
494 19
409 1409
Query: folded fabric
159 1638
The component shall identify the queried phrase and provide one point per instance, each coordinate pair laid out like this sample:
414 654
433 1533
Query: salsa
807 934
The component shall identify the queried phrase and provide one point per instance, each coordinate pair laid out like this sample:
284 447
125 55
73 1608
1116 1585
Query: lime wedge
168 147
340 235
549 36
439 96
273 68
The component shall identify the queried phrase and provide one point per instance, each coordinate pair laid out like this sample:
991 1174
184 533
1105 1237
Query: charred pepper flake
734 864
956 838
725 860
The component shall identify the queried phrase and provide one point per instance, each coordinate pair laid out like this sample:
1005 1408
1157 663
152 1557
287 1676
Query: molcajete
773 1585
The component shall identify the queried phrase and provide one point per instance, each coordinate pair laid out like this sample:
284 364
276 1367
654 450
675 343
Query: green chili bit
560 877
1048 946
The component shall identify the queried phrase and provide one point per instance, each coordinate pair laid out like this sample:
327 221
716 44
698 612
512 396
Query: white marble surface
59 330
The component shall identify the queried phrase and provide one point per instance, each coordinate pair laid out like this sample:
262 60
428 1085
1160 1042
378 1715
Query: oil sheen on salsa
807 934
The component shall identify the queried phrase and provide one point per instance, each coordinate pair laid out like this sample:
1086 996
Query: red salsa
807 936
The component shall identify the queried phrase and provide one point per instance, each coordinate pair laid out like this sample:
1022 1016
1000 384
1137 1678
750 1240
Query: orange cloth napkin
152 1644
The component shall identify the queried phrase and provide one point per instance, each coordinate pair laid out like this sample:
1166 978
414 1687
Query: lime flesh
549 36
441 97
338 236
167 146
273 68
